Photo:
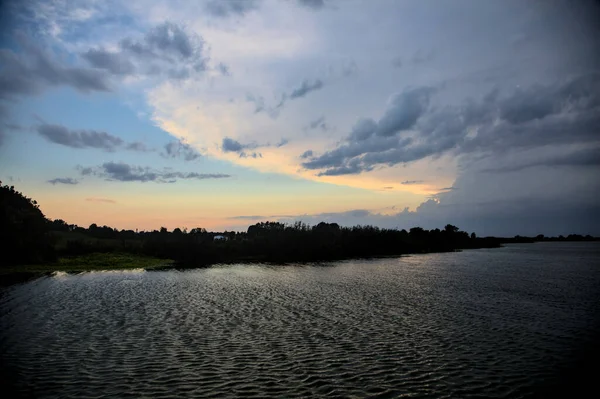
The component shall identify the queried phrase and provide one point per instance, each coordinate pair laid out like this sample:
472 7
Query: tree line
29 237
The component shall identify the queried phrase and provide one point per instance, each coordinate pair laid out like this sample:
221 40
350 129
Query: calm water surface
507 322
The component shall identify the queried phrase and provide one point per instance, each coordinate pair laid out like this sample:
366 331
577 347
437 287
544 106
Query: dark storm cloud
348 154
226 8
306 87
403 111
585 157
62 135
32 70
502 218
410 130
63 180
119 171
166 49
179 149
363 129
538 101
561 114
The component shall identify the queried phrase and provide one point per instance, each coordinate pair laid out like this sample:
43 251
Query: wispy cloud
282 142
231 145
103 200
306 154
120 171
306 87
179 149
63 180
410 182
81 138
318 123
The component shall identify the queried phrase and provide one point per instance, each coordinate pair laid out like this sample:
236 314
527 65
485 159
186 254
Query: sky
221 114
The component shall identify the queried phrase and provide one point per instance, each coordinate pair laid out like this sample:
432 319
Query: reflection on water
484 323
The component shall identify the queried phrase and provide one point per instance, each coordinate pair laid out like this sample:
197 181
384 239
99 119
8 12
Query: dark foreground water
510 322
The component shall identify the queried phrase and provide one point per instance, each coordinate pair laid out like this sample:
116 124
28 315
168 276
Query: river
506 322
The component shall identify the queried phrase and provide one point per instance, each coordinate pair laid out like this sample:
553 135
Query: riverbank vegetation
32 239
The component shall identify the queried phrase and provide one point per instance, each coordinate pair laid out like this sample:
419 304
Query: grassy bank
91 262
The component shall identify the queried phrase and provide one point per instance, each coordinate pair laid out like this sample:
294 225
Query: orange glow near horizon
218 212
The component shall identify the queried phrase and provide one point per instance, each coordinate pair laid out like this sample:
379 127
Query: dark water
510 322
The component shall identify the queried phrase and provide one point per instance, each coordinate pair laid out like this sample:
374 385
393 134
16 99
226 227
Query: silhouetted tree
23 229
450 229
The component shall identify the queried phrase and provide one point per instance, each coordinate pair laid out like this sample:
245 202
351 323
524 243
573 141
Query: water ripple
491 323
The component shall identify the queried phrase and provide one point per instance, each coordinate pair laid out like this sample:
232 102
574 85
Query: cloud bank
410 130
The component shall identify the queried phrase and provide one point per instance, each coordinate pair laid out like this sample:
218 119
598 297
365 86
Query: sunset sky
220 114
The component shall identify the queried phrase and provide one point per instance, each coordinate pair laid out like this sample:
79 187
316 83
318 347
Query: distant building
220 238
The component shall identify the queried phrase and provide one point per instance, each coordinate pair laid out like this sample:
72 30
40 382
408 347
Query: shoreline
99 261
81 264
